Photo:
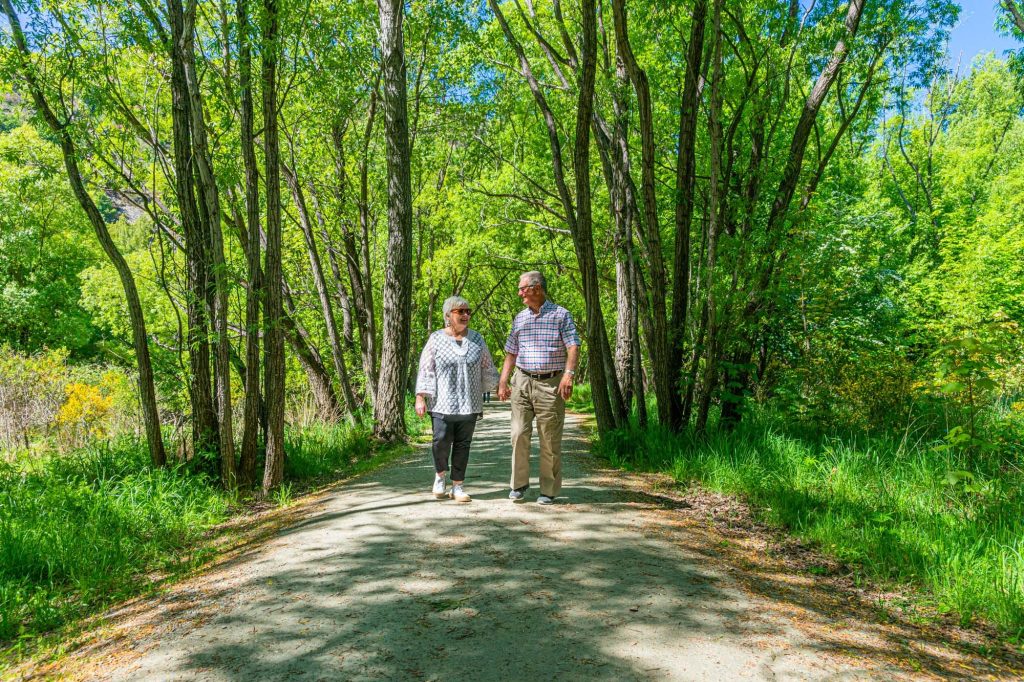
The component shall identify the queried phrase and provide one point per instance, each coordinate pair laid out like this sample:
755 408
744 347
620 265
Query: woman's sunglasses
462 311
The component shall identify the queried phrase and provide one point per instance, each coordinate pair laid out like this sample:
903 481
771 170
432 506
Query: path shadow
384 582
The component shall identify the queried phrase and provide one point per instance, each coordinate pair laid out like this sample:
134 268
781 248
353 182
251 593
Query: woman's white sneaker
439 487
460 495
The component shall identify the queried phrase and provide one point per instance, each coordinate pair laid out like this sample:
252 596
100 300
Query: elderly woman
455 370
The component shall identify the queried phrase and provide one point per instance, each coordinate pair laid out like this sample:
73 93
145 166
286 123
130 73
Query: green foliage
950 524
79 531
42 234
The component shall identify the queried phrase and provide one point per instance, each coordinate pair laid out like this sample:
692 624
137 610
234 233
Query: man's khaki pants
537 398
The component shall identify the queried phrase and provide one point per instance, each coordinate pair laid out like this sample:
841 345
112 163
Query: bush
44 401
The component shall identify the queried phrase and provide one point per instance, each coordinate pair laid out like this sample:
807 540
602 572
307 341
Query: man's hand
504 392
565 387
421 406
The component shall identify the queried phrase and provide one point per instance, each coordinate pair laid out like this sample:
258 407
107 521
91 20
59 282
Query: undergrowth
949 522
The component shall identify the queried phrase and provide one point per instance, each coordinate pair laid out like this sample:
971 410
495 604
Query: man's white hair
535 277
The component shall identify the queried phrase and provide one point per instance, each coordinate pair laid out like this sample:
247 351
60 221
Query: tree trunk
274 379
357 259
214 240
389 408
204 415
251 246
337 353
627 323
582 236
140 339
714 219
327 408
752 315
344 301
686 170
638 365
651 233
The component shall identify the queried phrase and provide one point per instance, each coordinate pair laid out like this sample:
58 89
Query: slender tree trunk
601 380
638 365
752 316
140 339
625 321
337 353
651 232
582 236
251 246
389 408
686 170
357 255
715 219
344 301
327 408
204 415
273 312
214 240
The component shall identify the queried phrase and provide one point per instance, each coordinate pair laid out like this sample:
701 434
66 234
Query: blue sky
975 33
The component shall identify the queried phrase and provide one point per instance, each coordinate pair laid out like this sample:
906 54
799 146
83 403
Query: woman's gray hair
451 303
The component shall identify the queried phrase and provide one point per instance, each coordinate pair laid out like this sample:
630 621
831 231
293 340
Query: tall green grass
323 450
76 531
951 524
80 531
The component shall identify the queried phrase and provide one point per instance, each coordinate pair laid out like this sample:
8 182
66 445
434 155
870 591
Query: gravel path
384 582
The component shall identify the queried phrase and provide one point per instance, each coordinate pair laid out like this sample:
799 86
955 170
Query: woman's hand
421 406
504 392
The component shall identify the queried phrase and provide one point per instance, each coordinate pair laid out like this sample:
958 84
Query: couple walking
456 369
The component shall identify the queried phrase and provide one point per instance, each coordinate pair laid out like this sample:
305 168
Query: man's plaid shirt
539 339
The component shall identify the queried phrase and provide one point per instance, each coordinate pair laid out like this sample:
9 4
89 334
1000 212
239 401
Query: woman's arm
426 377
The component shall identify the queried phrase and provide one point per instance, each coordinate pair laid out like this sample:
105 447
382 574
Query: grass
581 399
79 532
941 521
76 531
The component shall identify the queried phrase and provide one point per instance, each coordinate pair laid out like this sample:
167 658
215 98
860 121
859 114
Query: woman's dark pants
452 437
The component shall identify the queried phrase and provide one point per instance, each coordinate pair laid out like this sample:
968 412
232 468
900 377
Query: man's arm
506 369
565 385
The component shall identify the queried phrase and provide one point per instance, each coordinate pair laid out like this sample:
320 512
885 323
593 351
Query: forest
790 234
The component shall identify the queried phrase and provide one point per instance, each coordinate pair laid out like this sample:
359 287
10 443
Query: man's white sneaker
460 495
516 494
439 486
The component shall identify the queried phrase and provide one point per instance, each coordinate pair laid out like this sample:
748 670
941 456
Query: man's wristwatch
571 373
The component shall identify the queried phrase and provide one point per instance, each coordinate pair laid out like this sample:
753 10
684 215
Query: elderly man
543 346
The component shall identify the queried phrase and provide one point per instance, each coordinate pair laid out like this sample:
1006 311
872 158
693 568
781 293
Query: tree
61 127
389 407
273 310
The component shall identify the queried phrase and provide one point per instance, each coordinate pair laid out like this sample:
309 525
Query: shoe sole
440 496
463 500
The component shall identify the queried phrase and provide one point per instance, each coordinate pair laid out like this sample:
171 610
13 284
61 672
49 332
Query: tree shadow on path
383 582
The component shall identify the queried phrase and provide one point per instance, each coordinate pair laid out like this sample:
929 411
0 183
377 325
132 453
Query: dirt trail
382 582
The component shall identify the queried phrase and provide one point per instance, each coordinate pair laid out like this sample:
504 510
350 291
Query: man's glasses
525 287
462 311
